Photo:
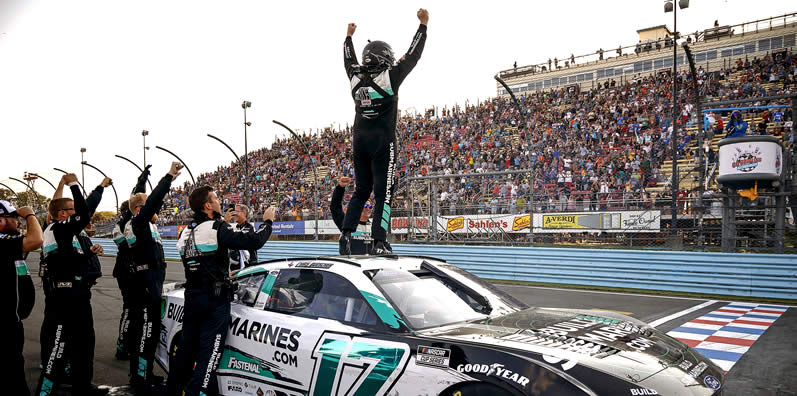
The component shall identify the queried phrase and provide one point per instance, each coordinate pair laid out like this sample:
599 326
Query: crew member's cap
6 209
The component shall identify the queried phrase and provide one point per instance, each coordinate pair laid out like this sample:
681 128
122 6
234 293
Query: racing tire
475 389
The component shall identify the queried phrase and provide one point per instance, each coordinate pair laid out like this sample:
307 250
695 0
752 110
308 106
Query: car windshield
424 303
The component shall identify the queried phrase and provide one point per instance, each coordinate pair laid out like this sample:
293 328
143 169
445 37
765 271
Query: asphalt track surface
767 368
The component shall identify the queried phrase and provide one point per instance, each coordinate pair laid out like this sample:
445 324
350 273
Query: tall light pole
144 135
112 186
82 169
245 105
136 165
669 6
193 181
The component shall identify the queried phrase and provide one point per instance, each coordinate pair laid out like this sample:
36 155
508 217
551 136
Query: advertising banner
285 227
167 231
473 224
750 160
628 221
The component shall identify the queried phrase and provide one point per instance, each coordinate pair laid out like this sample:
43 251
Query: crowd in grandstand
590 149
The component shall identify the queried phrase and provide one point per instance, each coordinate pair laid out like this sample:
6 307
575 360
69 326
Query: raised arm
33 237
81 217
336 205
95 197
410 59
155 200
349 56
142 181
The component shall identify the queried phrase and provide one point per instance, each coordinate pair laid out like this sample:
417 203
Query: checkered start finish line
726 334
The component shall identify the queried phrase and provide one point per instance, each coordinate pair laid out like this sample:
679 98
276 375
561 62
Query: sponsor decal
457 223
746 160
598 319
562 221
285 358
643 391
243 365
213 362
234 388
175 312
488 224
314 265
712 382
496 370
685 365
280 337
431 356
521 222
595 332
699 369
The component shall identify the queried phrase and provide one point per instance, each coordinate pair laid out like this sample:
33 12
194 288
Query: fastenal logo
457 223
746 160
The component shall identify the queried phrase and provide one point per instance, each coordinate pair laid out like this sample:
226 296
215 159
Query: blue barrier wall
733 274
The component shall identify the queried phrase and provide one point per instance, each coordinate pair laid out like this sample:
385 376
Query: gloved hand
145 174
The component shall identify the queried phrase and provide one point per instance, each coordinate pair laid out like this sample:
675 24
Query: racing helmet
378 54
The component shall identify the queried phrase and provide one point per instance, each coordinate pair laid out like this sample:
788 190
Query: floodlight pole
136 165
181 161
27 186
19 200
112 186
79 184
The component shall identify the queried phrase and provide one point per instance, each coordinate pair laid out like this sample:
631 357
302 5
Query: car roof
347 263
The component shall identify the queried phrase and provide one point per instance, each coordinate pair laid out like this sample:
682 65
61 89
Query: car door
306 331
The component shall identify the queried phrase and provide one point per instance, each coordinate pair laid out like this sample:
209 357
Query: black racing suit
204 248
17 296
69 324
374 142
361 241
122 271
93 265
149 269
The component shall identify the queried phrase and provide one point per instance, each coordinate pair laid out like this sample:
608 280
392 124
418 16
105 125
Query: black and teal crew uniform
361 241
204 248
149 271
240 258
18 297
123 270
69 328
375 93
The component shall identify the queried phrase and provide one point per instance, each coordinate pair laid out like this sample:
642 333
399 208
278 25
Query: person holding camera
204 247
374 87
240 259
68 328
148 273
17 291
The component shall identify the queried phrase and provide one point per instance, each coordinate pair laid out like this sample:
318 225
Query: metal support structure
112 186
315 174
144 134
674 134
700 136
19 200
42 177
82 169
136 165
29 187
181 161
246 105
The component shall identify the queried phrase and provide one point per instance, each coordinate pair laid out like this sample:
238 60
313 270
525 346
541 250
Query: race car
404 325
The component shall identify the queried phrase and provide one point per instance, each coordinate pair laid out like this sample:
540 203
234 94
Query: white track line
660 321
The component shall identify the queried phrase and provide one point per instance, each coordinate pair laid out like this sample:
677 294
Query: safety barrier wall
732 274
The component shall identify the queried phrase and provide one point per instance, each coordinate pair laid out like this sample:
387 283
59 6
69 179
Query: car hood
576 342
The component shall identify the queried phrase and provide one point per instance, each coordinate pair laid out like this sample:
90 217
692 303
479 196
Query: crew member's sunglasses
368 206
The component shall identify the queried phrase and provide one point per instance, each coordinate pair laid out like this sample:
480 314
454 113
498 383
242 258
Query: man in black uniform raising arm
204 248
374 87
146 286
17 291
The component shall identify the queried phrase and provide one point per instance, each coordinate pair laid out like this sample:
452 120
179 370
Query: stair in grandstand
308 177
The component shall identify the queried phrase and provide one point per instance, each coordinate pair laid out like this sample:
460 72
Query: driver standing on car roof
361 241
204 247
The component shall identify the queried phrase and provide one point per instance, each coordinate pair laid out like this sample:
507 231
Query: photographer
374 87
204 248
240 259
18 293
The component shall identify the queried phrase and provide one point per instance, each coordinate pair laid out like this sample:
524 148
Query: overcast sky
94 74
